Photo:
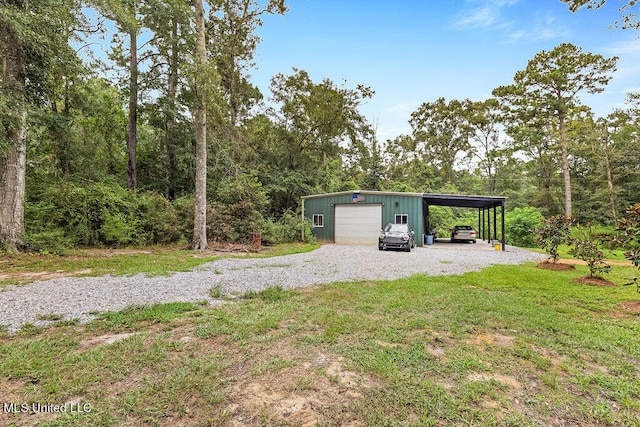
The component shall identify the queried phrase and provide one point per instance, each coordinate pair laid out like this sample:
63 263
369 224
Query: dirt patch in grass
594 281
103 340
42 275
555 266
307 394
506 380
497 340
567 264
633 306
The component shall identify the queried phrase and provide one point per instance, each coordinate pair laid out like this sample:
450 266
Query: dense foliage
519 224
262 157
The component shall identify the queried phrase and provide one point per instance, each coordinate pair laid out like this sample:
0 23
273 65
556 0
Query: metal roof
463 201
383 193
454 200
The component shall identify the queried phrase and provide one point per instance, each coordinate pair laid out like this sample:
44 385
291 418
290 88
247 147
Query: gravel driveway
82 297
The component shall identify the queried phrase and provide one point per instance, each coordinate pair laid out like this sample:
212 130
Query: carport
485 206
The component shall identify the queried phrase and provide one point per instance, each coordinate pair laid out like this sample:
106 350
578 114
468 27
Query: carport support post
479 223
503 238
302 214
489 225
495 222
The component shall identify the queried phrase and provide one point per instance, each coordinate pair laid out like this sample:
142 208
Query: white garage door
358 224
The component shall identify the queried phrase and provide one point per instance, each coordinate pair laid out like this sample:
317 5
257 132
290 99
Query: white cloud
403 108
544 28
479 18
494 15
483 14
626 47
516 36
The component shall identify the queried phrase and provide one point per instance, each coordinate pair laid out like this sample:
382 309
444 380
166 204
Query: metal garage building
356 217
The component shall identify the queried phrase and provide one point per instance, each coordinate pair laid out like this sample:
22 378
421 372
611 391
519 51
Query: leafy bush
519 225
52 242
553 232
441 219
629 226
96 215
587 248
286 230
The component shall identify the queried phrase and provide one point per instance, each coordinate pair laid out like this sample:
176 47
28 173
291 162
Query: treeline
109 148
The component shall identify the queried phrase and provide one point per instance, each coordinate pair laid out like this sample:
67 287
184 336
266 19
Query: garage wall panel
358 224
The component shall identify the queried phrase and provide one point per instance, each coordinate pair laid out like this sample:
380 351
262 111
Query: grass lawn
510 345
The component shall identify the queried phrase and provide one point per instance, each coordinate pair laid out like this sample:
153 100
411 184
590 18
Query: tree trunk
132 135
13 160
170 121
64 140
200 212
607 163
565 166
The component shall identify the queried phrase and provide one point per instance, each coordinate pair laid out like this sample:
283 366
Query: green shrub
52 242
553 232
158 219
117 229
519 225
98 214
441 219
629 227
587 248
287 229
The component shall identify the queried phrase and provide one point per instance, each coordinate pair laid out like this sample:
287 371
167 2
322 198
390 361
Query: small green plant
216 291
270 294
303 383
629 225
553 232
587 248
52 317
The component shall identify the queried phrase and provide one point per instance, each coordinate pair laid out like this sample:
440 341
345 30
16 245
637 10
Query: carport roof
463 201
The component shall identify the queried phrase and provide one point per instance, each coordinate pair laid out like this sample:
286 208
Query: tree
233 44
199 241
549 86
29 40
314 123
440 135
169 20
483 121
14 121
363 163
629 19
599 156
125 14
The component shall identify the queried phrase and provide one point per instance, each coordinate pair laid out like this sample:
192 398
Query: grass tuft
271 294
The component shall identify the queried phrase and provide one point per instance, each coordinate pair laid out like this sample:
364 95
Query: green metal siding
392 204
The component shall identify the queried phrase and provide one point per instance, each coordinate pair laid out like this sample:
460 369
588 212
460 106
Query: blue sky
412 51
